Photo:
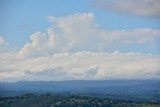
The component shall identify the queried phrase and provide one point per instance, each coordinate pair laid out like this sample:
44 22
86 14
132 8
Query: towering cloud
41 44
79 32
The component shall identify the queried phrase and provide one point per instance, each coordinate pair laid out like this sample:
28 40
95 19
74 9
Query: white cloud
79 32
57 54
82 30
139 35
77 29
81 65
132 7
1 40
41 44
5 47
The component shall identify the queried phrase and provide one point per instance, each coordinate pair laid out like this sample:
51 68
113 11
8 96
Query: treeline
51 100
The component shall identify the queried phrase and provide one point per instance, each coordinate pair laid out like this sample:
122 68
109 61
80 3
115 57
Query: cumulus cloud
71 49
41 44
82 66
131 7
79 32
76 30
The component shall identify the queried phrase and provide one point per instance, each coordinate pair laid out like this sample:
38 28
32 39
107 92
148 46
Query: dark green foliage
50 100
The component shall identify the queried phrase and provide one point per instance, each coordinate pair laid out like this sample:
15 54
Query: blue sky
19 19
79 39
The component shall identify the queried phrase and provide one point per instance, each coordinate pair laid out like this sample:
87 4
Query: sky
54 40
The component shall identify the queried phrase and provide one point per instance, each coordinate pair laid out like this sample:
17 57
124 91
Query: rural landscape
79 53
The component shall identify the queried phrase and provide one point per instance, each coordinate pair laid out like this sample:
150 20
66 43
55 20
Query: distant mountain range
122 89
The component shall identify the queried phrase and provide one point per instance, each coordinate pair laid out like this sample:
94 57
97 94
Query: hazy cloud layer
131 7
81 65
